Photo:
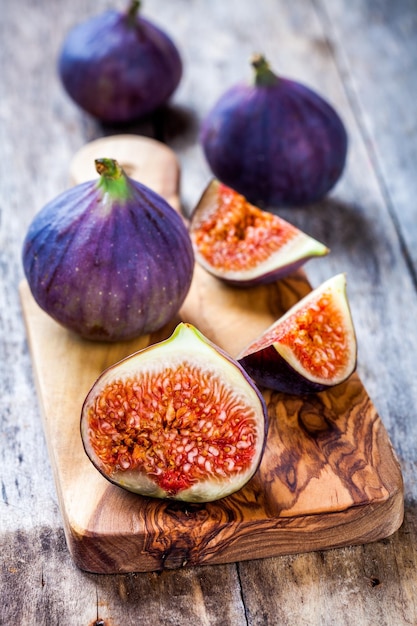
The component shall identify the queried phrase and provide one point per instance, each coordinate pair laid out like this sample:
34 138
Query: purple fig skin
118 66
270 277
271 371
277 142
109 265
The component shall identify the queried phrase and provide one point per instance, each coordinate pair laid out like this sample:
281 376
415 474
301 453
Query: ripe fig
109 259
277 142
179 419
310 348
118 66
243 245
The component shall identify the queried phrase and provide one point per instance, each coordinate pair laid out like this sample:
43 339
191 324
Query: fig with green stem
109 259
119 66
275 141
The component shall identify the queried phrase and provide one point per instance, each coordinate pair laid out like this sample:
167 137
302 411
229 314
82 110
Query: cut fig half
310 348
179 419
243 245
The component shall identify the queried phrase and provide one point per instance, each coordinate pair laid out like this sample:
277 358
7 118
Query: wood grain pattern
328 478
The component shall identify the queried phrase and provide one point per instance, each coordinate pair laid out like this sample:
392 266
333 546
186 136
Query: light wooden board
328 478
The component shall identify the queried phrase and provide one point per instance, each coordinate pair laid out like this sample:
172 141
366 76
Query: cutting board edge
89 551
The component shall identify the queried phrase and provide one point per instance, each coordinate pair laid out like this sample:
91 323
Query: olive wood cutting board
329 476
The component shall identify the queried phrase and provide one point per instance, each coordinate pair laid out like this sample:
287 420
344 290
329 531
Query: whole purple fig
109 259
118 66
276 141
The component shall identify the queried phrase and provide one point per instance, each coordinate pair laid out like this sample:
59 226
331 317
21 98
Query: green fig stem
112 180
264 76
133 11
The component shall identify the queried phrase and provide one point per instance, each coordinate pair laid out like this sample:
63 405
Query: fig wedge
243 245
312 347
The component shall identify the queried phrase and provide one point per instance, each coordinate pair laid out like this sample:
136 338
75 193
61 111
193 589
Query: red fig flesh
310 348
179 419
243 245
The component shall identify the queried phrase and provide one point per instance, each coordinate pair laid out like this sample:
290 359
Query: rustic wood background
362 57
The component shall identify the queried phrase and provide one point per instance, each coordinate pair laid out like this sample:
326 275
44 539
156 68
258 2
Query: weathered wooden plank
376 52
360 586
40 584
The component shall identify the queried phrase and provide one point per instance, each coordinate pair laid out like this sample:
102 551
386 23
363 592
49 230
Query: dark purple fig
109 259
180 419
243 245
277 142
118 66
310 348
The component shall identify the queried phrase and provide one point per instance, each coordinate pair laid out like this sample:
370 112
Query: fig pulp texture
276 141
243 245
109 259
118 66
179 419
310 348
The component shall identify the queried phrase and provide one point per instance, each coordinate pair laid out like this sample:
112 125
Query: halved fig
179 419
310 348
244 245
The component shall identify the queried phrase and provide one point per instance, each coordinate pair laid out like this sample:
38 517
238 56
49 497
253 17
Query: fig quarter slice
243 245
310 348
179 419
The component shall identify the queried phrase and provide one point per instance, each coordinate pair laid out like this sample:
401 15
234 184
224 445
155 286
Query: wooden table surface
362 57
